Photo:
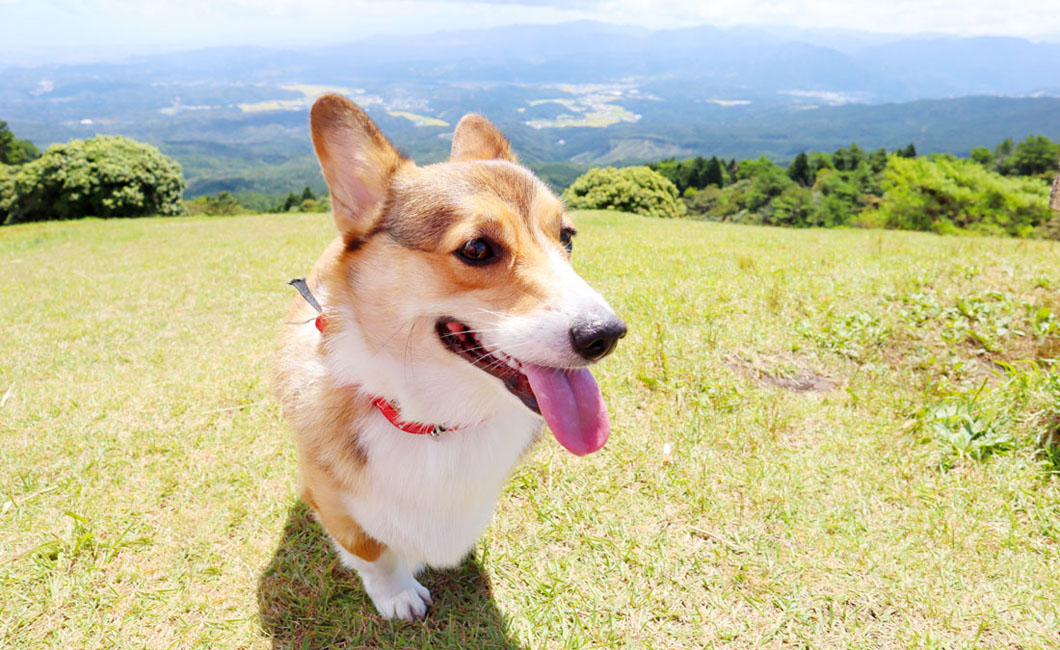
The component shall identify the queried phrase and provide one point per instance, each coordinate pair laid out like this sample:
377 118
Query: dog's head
455 282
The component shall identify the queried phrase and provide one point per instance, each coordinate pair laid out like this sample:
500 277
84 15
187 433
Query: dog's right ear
357 159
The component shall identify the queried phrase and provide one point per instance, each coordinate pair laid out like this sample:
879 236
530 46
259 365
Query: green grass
856 424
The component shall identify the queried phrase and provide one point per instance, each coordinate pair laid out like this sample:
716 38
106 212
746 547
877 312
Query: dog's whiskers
408 353
493 353
391 338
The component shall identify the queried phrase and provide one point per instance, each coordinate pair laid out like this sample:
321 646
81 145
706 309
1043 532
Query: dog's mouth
568 399
462 341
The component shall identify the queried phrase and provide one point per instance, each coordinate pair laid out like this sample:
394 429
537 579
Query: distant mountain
934 67
585 92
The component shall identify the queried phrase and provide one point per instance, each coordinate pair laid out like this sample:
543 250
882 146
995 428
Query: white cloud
1024 18
192 23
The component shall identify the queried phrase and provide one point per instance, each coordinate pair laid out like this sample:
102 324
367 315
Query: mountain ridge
589 92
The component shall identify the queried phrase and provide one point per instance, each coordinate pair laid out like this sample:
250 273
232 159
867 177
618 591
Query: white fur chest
430 499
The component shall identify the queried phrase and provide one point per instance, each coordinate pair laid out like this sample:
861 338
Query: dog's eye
566 238
476 251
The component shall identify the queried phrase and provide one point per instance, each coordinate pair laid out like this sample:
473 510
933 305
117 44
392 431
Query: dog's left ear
357 160
476 138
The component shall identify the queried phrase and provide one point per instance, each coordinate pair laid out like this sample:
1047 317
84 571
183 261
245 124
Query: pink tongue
572 406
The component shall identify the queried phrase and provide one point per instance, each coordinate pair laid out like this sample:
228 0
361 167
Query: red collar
393 417
387 409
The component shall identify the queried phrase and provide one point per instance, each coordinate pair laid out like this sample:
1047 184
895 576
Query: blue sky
113 25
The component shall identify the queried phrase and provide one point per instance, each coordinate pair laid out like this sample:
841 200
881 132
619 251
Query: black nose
596 338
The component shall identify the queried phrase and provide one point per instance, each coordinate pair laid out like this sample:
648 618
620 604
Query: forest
1003 190
997 191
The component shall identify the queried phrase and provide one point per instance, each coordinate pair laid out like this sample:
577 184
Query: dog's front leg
390 583
388 579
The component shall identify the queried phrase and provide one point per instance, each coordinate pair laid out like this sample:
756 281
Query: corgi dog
451 327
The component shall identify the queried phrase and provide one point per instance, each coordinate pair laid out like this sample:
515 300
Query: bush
708 203
767 182
945 194
106 176
630 189
224 204
794 207
1035 155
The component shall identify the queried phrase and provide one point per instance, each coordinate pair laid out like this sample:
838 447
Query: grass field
828 439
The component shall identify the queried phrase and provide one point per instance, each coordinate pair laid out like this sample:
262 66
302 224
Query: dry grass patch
788 375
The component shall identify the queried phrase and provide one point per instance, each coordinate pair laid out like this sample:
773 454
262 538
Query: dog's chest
430 499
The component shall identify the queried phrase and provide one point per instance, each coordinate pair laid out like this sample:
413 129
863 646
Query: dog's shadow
306 599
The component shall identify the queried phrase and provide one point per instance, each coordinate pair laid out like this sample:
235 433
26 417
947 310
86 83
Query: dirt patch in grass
1039 349
803 383
1042 352
792 375
1047 349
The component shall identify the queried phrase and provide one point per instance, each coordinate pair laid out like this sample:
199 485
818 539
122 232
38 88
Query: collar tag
303 288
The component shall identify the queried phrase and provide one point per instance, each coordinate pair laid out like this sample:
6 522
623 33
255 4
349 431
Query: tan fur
318 489
324 417
350 146
476 138
408 220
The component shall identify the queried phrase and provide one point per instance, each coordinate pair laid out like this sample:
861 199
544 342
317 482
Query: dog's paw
406 600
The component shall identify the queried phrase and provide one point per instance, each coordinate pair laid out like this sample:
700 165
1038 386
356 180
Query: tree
819 161
767 181
794 207
946 194
799 170
221 205
983 156
839 196
308 195
631 189
684 175
909 151
878 160
710 202
1035 155
850 158
699 172
1003 157
14 151
714 174
106 176
292 201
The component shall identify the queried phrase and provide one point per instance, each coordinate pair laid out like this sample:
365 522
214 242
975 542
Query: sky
103 26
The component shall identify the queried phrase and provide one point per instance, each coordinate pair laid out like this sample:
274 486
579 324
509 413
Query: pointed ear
357 160
476 138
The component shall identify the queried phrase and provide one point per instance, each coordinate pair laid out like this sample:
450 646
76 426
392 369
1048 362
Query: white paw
390 583
406 600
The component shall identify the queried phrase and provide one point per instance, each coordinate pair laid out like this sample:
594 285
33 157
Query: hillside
588 93
853 457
